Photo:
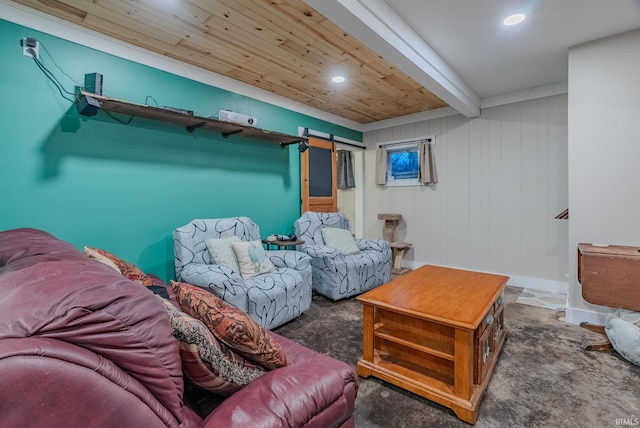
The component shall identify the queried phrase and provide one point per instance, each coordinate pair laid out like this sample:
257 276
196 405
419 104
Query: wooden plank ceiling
282 46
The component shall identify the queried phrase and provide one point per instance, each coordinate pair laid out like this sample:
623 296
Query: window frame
400 182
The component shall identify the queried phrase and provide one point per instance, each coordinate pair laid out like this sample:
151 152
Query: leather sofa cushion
50 289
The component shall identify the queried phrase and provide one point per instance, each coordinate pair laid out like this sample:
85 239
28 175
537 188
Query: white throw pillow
341 239
252 259
221 252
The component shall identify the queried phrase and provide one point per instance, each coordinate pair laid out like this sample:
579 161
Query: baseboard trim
577 316
550 285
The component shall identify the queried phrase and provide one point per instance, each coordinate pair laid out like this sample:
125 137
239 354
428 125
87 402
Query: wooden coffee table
436 332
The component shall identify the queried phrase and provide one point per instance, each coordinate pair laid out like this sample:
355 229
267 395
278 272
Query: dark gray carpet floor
543 378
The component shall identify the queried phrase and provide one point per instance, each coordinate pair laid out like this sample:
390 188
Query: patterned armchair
336 275
270 298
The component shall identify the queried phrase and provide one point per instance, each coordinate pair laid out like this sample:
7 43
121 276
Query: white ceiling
495 59
465 54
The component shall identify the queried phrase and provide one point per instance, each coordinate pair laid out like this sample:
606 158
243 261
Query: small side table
282 245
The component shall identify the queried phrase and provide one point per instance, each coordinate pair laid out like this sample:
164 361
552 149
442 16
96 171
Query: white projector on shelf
242 119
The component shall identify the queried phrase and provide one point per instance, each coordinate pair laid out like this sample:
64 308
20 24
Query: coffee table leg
367 340
463 364
463 374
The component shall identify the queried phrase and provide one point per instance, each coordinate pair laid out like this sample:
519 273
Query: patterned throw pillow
341 239
127 269
205 361
221 253
231 326
252 259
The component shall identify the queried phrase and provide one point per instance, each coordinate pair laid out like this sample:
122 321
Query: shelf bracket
192 128
227 134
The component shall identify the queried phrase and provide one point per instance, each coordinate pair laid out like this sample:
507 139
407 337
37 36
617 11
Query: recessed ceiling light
337 79
514 19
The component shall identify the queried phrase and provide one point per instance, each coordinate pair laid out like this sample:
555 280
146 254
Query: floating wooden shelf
191 122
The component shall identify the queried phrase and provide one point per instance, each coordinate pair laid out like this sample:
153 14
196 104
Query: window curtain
345 170
428 174
381 166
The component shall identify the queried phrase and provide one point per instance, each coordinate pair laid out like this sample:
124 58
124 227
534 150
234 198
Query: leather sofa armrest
314 391
218 280
53 383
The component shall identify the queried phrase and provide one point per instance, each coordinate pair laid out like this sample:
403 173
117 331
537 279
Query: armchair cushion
219 280
252 259
231 326
342 239
221 252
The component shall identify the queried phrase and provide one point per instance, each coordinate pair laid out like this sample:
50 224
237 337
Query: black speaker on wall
87 106
93 83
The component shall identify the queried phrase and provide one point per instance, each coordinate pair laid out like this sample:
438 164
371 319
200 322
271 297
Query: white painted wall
502 179
604 153
350 200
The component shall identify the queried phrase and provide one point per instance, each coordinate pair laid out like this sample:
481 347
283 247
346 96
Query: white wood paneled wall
502 179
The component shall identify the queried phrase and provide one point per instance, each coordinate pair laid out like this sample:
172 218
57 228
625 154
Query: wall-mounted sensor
30 47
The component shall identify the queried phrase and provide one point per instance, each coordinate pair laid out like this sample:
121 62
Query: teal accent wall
124 188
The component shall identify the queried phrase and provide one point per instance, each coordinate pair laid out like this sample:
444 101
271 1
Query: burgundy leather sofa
82 346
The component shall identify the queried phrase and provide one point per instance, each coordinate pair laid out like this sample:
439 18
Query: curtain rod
331 138
417 140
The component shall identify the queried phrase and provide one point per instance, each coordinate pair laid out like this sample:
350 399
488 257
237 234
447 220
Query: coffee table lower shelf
431 384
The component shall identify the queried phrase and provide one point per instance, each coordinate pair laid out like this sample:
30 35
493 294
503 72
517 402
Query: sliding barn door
318 177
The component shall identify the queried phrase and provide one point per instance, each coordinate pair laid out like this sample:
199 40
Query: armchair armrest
317 251
289 259
219 280
373 245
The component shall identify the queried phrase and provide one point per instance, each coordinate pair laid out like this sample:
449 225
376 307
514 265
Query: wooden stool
398 250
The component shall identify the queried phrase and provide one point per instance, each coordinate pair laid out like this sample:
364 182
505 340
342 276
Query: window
403 164
409 162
